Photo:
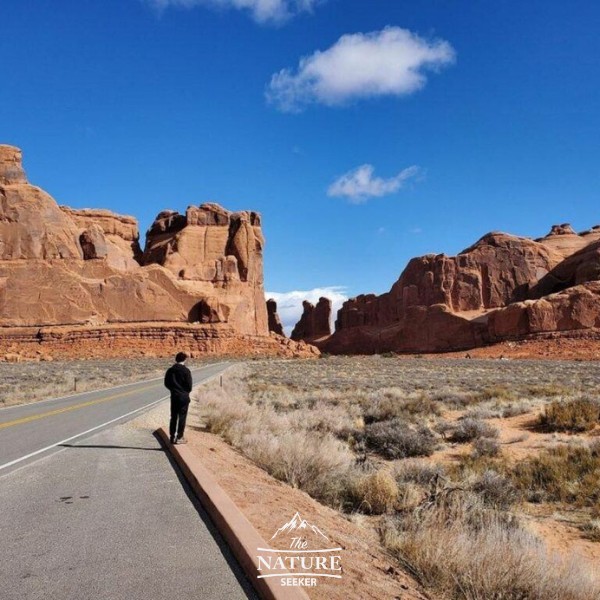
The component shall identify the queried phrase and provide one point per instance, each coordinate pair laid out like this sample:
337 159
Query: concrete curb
235 528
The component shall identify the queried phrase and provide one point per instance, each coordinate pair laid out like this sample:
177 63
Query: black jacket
178 380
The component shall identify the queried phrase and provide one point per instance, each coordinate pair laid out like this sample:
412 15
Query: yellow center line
59 411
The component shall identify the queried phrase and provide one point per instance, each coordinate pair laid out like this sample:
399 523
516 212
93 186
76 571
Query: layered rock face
502 287
314 323
60 266
275 325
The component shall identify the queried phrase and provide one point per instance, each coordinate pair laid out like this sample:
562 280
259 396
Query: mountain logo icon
297 523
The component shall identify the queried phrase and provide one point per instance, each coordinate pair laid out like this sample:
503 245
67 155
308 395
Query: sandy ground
520 439
368 572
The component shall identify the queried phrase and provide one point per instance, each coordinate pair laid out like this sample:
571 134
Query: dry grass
397 439
575 416
470 429
310 459
562 474
376 493
346 430
461 550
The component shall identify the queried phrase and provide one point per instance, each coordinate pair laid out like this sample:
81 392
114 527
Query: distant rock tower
274 321
315 321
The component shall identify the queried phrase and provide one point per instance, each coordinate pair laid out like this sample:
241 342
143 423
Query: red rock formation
118 233
61 266
219 254
32 227
11 169
314 322
494 290
275 325
573 309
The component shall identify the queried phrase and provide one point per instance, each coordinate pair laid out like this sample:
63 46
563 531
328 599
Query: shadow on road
108 446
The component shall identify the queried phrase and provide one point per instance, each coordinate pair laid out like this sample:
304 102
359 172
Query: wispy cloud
289 304
262 11
391 62
360 184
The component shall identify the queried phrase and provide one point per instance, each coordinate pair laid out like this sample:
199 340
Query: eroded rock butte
80 274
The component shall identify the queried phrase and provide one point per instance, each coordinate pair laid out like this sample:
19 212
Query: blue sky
420 126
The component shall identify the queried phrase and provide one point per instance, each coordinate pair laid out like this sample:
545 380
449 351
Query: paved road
106 515
32 430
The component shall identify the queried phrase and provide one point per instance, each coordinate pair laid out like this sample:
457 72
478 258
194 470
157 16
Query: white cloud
360 184
289 304
263 11
391 62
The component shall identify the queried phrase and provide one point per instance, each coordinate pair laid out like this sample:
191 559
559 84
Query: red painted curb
235 528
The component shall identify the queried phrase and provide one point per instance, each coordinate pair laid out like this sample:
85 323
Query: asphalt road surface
94 509
31 430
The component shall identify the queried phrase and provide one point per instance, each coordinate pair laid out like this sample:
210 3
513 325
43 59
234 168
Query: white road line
73 437
45 457
114 387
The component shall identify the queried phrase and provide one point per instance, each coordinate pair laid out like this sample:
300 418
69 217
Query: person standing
178 380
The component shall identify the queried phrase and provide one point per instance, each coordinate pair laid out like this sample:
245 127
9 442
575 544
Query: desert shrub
483 412
418 471
454 398
461 550
515 409
496 392
591 530
444 428
547 390
319 465
469 429
396 439
376 493
342 422
394 403
315 464
495 490
484 446
563 474
382 408
580 414
421 405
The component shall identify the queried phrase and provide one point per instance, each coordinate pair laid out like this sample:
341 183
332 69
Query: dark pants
179 410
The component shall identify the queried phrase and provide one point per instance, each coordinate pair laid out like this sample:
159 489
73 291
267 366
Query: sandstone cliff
71 267
502 287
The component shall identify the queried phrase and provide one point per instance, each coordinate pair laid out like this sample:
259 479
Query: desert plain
442 478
